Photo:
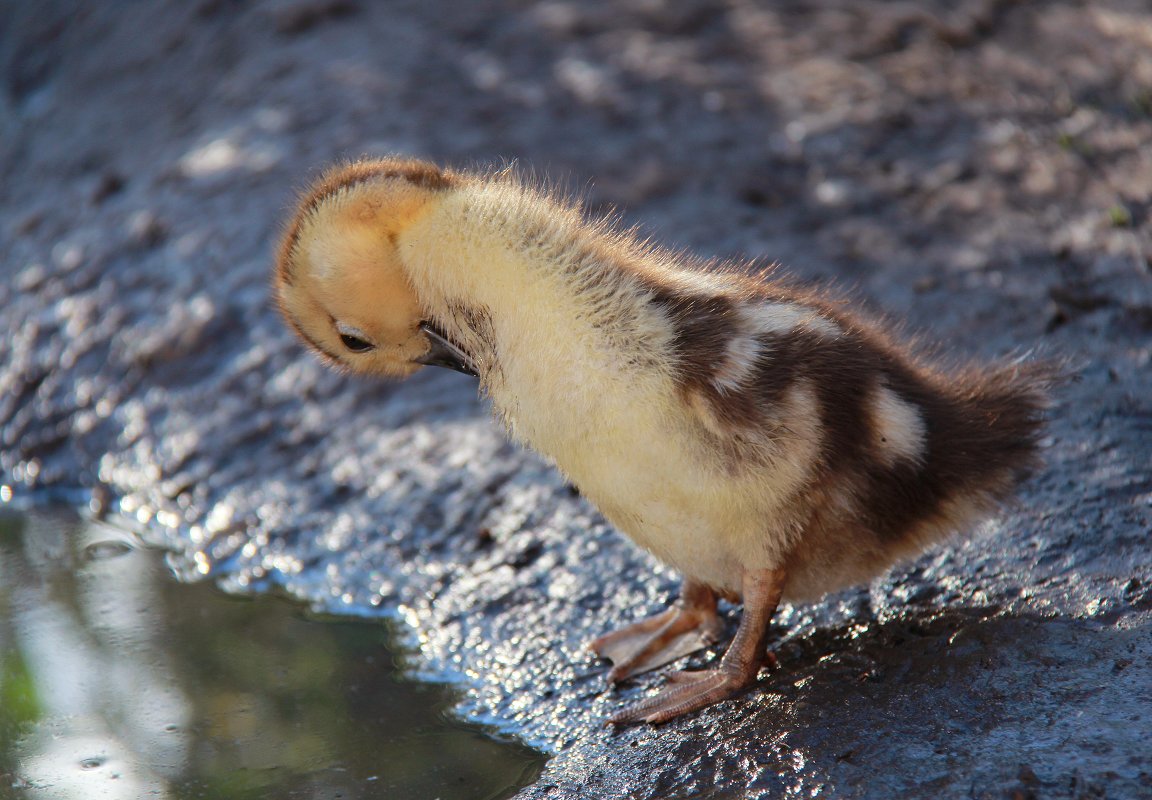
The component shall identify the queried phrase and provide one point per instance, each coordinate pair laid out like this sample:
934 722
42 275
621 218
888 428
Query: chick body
729 424
580 368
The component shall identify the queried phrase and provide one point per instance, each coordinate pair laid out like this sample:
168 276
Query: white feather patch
740 356
899 428
780 318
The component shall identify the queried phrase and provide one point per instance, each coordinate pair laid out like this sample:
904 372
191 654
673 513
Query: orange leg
684 628
691 691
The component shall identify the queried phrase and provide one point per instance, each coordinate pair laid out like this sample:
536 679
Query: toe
686 692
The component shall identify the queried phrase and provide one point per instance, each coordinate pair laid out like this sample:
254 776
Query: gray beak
443 353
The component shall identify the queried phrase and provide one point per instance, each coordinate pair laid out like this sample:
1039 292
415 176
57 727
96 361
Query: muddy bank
980 168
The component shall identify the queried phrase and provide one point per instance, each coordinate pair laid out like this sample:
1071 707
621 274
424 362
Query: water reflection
118 682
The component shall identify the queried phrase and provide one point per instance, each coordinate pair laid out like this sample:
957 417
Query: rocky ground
981 168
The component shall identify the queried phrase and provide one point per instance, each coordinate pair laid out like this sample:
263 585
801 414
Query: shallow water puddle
116 681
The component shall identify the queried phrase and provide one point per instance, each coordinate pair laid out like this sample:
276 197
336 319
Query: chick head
340 280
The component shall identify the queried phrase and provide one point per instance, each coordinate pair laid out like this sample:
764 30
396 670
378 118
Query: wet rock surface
979 168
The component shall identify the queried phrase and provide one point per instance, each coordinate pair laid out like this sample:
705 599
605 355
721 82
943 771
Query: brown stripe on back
981 425
702 326
841 369
346 176
705 324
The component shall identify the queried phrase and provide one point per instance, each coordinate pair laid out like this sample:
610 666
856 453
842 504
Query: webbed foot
688 626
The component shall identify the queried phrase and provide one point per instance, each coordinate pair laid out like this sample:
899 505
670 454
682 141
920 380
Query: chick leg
692 623
689 691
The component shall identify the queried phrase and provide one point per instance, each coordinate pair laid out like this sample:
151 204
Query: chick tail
1004 412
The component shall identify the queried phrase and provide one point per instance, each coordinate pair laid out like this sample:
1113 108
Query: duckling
762 439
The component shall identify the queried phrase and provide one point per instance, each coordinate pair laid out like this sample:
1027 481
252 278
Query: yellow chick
762 440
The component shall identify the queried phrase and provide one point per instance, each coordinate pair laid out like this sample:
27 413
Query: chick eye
355 343
352 337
